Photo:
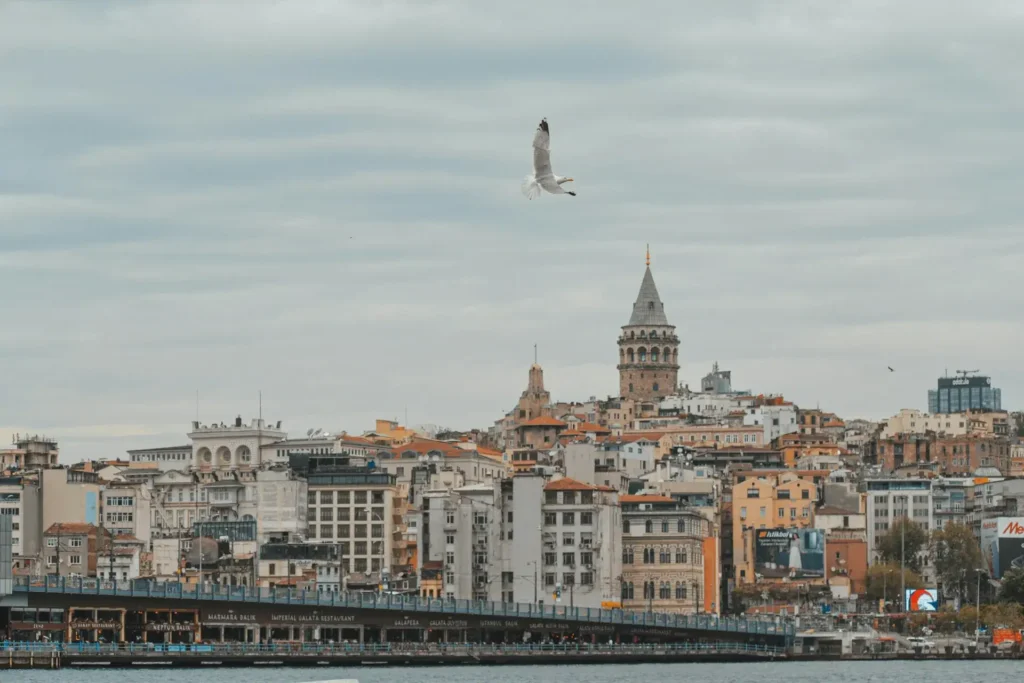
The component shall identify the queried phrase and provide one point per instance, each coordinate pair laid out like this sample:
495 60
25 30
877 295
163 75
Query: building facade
963 393
648 347
663 548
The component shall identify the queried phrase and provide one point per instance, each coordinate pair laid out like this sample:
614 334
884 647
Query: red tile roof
590 427
70 528
567 484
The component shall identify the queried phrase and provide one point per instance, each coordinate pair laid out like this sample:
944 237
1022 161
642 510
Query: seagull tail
530 188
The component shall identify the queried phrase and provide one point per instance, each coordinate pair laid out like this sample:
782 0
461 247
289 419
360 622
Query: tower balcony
648 365
669 339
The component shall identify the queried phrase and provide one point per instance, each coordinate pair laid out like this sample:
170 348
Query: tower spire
648 254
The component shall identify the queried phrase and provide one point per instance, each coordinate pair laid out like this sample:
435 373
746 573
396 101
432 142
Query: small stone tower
648 348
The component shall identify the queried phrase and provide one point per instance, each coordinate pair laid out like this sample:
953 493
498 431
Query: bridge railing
293 596
342 650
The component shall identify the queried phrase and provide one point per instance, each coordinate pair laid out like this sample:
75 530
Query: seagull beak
568 180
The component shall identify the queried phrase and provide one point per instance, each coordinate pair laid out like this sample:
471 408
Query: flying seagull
542 178
890 368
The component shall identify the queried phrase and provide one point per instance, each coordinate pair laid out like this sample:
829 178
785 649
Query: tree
956 555
884 582
1012 589
906 540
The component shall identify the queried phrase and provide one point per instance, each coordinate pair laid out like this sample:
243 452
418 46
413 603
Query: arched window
641 354
648 555
667 355
643 335
632 335
680 590
664 526
654 355
680 526
655 386
627 556
625 526
665 557
649 526
629 355
654 334
665 591
627 590
630 387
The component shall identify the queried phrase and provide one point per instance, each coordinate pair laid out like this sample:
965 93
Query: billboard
1002 544
792 553
922 600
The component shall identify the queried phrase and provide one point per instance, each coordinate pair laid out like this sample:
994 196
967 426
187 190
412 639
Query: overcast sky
320 200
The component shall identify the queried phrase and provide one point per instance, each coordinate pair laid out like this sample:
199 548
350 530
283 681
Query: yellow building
778 499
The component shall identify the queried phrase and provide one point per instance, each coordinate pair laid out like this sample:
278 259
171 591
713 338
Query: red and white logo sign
1013 527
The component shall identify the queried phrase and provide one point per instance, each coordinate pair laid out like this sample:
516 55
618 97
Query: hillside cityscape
661 498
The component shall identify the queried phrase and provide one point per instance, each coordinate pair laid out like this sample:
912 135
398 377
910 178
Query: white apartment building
126 510
776 420
889 500
910 421
20 500
164 458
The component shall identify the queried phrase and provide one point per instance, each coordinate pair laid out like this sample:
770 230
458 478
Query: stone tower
648 348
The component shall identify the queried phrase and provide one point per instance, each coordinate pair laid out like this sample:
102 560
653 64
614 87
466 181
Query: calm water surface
811 672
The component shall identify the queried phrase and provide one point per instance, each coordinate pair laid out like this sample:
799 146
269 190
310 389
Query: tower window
630 386
655 386
650 305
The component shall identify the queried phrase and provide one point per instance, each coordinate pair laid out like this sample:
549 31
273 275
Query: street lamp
977 608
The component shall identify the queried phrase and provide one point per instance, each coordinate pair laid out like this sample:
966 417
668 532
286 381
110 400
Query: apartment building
783 499
71 548
353 508
21 502
664 549
126 510
891 499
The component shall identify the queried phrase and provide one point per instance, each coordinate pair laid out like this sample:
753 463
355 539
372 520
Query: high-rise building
648 347
963 393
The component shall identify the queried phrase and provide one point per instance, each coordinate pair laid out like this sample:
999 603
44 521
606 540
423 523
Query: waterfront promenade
58 655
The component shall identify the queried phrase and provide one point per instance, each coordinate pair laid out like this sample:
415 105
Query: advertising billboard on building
922 600
1002 544
792 553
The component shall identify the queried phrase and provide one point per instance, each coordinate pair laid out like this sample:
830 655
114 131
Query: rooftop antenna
648 254
197 405
535 354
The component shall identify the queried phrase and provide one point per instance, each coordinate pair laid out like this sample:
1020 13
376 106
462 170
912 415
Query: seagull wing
542 152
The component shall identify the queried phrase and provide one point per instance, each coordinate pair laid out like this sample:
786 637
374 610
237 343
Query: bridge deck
288 596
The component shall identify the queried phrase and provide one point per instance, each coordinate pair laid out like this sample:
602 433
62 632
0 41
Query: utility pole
110 548
903 550
977 608
58 552
535 582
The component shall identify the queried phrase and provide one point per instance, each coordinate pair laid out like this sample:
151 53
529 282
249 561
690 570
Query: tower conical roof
648 309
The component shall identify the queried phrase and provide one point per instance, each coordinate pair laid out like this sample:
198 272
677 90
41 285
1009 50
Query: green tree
906 540
884 582
1012 589
956 554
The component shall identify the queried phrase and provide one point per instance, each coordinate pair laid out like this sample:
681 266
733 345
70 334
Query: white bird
542 178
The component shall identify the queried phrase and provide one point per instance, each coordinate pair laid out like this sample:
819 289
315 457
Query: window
680 526
805 494
509 516
782 495
449 518
568 539
569 559
569 518
327 531
360 547
586 497
664 557
272 568
449 559
327 497
587 579
680 590
549 580
627 590
625 526
680 555
664 526
360 497
648 555
343 497
75 559
326 514
627 556
343 514
587 559
649 526
568 578
586 518
75 543
450 539
480 558
568 497
550 559
550 519
51 542
764 511
665 591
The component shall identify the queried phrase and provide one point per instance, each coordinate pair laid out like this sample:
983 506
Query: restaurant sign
170 628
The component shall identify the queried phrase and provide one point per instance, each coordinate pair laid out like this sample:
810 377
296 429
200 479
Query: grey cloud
320 200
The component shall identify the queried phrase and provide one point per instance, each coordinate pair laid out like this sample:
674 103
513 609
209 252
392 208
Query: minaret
648 348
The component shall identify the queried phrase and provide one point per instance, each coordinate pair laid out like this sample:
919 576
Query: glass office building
960 394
